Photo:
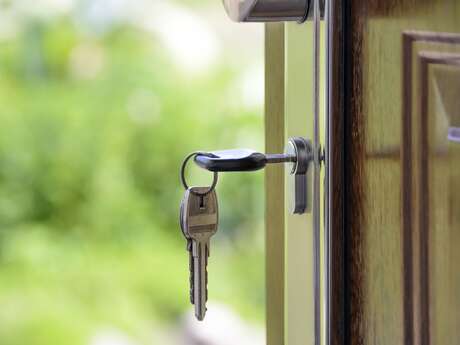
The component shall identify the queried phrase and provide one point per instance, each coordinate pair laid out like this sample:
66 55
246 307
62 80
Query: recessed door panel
401 180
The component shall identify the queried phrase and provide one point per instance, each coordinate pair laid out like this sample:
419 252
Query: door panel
440 191
401 180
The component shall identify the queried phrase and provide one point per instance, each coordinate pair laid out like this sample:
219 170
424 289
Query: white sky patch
247 89
13 14
9 26
58 5
102 15
110 337
252 86
222 326
192 43
43 8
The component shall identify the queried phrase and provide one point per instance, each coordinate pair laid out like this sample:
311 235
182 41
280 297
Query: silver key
188 246
199 222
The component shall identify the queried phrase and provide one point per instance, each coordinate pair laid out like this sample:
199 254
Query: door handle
270 10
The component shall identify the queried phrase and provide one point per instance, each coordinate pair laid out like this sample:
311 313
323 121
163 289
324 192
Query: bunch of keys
198 221
199 209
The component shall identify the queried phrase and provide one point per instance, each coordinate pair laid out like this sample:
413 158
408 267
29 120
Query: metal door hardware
270 10
199 207
299 154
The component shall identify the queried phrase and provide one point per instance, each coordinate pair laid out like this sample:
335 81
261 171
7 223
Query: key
239 160
199 221
188 246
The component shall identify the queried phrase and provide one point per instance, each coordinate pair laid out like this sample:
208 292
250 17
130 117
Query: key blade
200 262
191 269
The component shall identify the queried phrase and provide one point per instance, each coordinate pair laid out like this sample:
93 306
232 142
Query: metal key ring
182 174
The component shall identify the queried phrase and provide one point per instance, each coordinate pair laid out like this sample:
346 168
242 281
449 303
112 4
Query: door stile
274 183
334 162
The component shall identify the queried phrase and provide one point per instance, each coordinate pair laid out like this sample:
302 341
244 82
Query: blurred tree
93 131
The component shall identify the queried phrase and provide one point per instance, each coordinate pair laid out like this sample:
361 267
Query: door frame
335 235
274 183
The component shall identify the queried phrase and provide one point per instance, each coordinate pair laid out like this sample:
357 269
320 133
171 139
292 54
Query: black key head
231 160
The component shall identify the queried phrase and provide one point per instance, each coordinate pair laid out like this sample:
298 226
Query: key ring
182 174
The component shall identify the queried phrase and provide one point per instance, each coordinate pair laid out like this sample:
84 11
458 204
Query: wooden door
394 102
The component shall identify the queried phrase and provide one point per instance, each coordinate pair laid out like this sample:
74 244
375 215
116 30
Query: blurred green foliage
89 188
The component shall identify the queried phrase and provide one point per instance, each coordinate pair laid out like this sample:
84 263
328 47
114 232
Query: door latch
298 153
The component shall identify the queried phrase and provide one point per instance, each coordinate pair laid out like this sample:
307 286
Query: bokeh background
100 100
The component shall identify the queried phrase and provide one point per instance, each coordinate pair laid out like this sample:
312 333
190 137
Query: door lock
271 10
298 153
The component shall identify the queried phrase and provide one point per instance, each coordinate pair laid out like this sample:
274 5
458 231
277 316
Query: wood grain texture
415 272
274 182
354 174
383 303
336 94
427 207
